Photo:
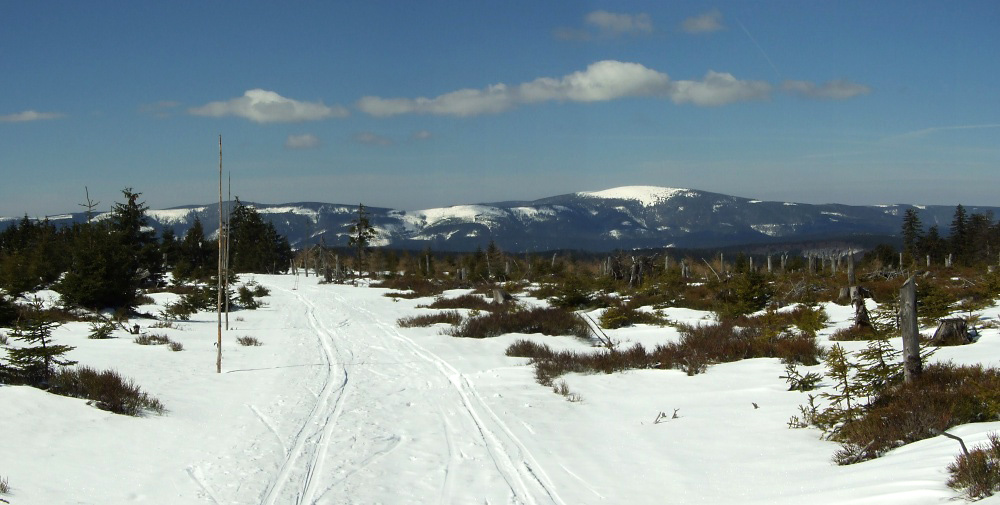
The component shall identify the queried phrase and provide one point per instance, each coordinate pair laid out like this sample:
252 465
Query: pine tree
912 232
34 362
844 406
254 245
959 238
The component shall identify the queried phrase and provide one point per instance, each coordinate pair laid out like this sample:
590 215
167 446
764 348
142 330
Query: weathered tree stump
952 331
912 366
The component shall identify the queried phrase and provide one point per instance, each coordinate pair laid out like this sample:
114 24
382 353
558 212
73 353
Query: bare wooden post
218 306
928 261
908 324
851 280
900 261
769 264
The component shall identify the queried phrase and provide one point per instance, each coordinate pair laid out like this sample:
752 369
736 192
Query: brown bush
469 301
977 474
449 316
109 390
945 395
547 321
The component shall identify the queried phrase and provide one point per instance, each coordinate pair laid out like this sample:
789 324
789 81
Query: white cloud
601 81
708 22
612 24
373 139
264 106
29 115
719 89
839 89
304 141
421 135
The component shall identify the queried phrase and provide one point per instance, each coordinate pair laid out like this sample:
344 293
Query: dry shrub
152 340
854 332
621 315
248 341
107 389
469 301
547 321
977 474
176 346
411 287
451 317
945 395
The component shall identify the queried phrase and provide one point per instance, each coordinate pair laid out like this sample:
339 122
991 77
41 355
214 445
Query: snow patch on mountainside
466 213
301 211
648 196
172 216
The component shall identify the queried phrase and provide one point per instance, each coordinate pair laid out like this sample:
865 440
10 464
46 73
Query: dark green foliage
32 255
912 232
196 258
977 474
101 330
361 236
798 382
547 321
34 362
742 294
254 245
451 317
107 389
934 301
246 296
621 314
8 311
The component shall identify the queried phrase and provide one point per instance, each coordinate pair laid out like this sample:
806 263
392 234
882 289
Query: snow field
339 405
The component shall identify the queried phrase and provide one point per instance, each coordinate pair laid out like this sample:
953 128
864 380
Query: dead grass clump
175 346
945 395
248 341
107 389
4 486
451 317
621 315
152 339
702 345
547 321
854 332
977 474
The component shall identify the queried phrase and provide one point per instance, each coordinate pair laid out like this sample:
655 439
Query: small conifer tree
34 362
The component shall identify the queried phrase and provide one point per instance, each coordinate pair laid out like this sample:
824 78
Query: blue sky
420 104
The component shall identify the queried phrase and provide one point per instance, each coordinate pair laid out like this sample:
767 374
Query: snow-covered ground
339 405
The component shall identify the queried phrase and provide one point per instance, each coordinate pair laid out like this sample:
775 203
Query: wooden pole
911 335
218 303
225 261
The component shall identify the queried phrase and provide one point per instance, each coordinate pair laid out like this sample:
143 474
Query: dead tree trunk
912 366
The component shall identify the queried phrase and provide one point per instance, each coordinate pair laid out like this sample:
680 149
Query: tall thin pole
225 265
218 305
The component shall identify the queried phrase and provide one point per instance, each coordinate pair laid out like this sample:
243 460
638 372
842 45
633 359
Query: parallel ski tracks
313 438
518 470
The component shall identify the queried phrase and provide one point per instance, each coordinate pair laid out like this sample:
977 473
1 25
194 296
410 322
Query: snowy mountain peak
648 196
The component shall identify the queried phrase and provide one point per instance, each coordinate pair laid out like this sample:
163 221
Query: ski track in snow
323 418
519 469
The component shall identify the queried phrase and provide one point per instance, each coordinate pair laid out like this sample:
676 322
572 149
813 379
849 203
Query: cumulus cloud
372 139
611 23
264 106
29 115
839 89
601 81
304 141
708 22
421 135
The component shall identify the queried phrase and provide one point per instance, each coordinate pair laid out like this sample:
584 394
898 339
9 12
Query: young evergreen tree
361 236
254 245
959 238
34 362
913 231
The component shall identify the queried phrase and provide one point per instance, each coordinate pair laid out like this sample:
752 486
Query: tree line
105 262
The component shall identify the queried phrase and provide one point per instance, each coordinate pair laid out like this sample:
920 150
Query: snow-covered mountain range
625 217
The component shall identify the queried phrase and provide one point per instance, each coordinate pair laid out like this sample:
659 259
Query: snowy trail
397 423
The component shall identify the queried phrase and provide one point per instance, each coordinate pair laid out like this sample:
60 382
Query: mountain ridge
626 217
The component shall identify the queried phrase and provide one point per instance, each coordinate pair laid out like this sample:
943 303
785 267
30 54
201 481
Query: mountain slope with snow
619 218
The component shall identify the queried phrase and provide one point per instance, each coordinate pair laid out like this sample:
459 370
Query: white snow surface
648 196
340 405
173 216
